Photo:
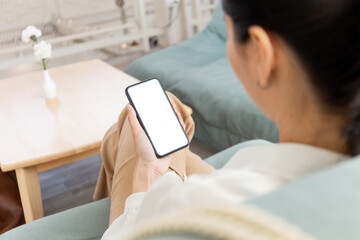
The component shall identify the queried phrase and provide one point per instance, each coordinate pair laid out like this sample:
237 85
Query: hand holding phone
149 167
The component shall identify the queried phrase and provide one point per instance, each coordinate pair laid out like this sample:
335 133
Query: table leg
30 193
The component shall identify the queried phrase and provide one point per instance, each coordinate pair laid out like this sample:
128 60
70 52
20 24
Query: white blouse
250 173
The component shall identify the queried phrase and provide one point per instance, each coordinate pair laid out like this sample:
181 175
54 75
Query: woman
299 61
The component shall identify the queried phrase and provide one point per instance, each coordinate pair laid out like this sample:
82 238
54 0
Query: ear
265 54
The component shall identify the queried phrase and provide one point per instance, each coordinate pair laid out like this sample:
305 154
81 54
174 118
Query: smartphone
157 117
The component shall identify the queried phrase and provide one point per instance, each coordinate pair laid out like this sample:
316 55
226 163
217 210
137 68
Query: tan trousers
118 160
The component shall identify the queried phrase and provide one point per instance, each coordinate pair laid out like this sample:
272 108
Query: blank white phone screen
158 117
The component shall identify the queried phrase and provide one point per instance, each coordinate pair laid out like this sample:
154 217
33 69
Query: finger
174 106
180 119
134 123
178 115
176 111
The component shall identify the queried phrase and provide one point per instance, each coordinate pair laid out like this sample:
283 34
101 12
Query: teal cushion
326 204
199 73
85 222
217 23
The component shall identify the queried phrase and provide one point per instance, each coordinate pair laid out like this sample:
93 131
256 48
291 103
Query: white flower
28 32
42 50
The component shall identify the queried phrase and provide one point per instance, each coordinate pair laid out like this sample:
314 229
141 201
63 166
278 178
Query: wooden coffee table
37 134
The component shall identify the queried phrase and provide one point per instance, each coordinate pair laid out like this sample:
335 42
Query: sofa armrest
326 204
85 222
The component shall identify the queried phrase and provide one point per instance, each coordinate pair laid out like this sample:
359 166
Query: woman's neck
313 128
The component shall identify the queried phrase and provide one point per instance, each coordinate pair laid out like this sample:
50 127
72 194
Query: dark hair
325 35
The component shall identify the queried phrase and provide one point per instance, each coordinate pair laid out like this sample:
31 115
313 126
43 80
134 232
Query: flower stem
44 63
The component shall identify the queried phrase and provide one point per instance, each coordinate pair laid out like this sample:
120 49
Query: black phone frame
141 123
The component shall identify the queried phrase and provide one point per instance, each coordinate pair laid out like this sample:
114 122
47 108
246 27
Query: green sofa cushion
326 204
85 222
199 73
217 23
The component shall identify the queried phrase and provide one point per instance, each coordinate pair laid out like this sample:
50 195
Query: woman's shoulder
285 160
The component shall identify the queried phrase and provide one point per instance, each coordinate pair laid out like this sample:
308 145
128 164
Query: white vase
49 86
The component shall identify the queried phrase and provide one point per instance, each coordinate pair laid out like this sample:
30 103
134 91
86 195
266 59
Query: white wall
59 18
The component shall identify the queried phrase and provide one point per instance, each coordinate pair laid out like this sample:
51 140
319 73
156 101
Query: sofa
326 205
198 72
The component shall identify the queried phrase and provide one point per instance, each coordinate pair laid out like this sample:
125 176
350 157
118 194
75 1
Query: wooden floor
70 185
73 184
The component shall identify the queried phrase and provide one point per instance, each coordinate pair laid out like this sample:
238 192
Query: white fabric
251 172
